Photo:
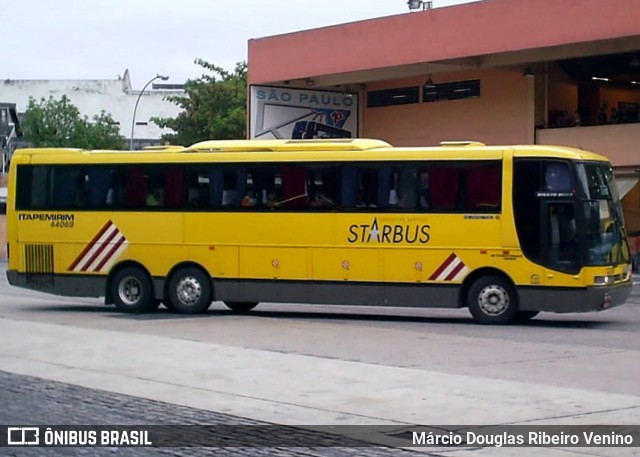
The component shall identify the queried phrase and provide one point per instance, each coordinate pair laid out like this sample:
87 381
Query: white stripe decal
447 271
453 265
97 245
114 257
105 251
101 254
461 274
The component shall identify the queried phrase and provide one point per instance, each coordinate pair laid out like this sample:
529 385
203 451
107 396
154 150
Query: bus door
559 239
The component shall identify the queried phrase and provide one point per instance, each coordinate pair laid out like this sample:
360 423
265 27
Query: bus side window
424 192
174 187
204 186
348 186
402 194
294 187
135 188
215 185
483 187
233 188
385 176
444 184
155 195
68 184
116 195
368 194
262 187
192 188
229 197
100 181
323 188
204 195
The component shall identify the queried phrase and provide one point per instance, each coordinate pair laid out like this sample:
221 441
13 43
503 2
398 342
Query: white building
114 96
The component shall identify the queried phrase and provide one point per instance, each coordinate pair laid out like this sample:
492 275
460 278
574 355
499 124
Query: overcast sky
99 39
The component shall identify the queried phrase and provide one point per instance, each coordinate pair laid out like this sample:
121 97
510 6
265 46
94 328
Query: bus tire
189 291
240 306
492 300
131 291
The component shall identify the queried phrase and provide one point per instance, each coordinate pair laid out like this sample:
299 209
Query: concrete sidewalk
293 389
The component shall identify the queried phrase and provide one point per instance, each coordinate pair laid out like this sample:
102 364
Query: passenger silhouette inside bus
557 177
154 198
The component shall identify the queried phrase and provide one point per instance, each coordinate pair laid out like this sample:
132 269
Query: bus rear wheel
131 291
492 300
189 291
241 306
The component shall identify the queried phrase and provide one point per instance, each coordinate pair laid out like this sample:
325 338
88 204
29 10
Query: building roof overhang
482 34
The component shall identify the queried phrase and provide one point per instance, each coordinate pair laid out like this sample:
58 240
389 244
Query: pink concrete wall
631 208
501 115
618 142
468 30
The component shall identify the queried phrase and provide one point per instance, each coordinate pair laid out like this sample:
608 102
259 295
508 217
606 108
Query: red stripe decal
442 267
101 249
455 271
110 254
88 247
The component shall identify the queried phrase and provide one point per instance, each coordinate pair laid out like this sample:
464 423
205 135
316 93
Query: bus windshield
604 226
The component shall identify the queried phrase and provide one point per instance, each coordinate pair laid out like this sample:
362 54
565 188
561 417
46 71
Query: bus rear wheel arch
131 290
492 299
189 290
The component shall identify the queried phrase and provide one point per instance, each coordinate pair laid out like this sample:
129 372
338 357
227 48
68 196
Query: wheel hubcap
189 290
493 300
130 290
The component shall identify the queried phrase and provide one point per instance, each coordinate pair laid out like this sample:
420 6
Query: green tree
58 123
214 107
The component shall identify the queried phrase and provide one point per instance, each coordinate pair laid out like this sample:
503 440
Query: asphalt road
574 368
582 349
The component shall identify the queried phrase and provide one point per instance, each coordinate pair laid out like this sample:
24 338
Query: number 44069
62 224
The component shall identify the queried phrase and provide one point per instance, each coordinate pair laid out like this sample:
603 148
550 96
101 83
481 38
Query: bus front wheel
240 306
492 300
131 291
189 291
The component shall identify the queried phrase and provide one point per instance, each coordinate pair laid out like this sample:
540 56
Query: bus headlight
603 280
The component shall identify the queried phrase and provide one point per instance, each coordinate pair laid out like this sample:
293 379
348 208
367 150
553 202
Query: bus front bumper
575 300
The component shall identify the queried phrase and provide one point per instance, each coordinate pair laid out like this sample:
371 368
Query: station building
116 97
495 71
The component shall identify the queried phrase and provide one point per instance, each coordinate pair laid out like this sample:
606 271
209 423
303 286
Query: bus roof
302 150
561 152
334 144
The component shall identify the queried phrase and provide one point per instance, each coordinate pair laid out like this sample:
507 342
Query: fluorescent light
598 78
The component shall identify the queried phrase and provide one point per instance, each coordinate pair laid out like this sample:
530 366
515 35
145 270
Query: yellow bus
507 231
